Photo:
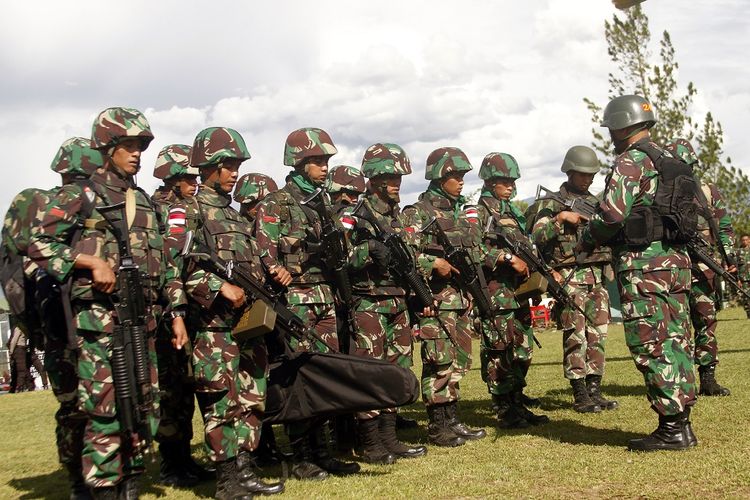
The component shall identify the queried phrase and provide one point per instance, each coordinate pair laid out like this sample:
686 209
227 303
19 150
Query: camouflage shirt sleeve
358 234
412 225
726 232
268 232
545 227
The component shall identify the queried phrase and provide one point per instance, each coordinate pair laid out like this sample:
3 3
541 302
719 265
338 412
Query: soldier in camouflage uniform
344 184
506 347
250 190
446 356
556 232
230 378
287 234
653 275
704 296
177 403
120 134
743 270
383 328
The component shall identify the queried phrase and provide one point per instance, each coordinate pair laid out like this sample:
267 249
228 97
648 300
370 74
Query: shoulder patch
472 214
177 216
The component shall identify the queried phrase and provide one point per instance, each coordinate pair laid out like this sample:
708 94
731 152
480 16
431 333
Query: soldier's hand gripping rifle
131 373
578 205
286 322
700 249
334 254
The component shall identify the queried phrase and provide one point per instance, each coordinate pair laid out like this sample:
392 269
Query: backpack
673 218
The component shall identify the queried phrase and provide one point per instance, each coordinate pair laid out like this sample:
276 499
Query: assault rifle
334 253
578 205
701 250
131 373
523 249
286 322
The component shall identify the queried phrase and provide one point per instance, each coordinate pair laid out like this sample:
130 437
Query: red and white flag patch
177 217
348 222
472 215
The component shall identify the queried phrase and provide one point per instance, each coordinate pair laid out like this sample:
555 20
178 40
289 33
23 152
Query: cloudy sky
481 75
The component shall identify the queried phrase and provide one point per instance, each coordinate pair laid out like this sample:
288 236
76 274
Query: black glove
380 254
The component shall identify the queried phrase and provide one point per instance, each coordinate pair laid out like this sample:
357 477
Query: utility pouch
258 319
535 285
639 227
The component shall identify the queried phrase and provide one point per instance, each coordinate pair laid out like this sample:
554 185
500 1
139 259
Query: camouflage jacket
557 242
743 264
453 219
717 209
164 198
384 294
286 236
632 183
220 227
25 209
62 217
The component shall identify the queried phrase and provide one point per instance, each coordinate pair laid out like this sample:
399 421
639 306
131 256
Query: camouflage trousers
583 345
61 365
107 457
20 370
744 300
506 351
444 363
657 331
177 391
230 383
383 336
703 318
321 318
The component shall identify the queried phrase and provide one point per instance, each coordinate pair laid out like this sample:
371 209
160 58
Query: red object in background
540 313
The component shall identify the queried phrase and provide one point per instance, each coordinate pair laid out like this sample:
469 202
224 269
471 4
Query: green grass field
574 455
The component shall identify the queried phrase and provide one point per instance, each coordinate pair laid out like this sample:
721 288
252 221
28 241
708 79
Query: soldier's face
228 173
316 169
453 184
126 156
502 187
745 241
346 197
187 185
580 181
389 185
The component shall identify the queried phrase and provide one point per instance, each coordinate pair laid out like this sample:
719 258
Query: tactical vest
458 230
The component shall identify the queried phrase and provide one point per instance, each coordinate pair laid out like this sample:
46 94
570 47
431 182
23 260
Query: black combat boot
250 481
322 457
508 414
267 453
172 471
373 450
129 488
343 433
594 386
405 423
500 403
390 440
582 402
454 423
687 428
709 385
78 488
437 429
193 468
302 464
105 493
227 485
530 402
530 417
668 436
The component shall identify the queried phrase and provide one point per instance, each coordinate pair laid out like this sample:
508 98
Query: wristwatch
179 313
508 257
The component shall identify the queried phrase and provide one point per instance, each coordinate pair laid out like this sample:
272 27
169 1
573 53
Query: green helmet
173 161
75 156
499 165
444 161
114 124
580 159
306 142
682 149
627 110
213 145
345 178
385 158
253 187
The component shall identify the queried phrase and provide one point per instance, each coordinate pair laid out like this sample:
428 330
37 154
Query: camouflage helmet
627 110
253 187
345 178
114 124
499 165
682 149
580 159
174 160
76 156
444 161
213 145
385 158
306 142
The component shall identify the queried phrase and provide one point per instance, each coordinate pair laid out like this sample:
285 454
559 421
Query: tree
628 41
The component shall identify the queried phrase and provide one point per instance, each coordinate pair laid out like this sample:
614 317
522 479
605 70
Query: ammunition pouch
535 285
255 321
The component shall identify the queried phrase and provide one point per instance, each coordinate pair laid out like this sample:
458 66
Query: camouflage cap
499 165
215 144
345 178
306 142
76 156
682 149
114 124
626 110
580 159
174 160
444 161
385 158
253 187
